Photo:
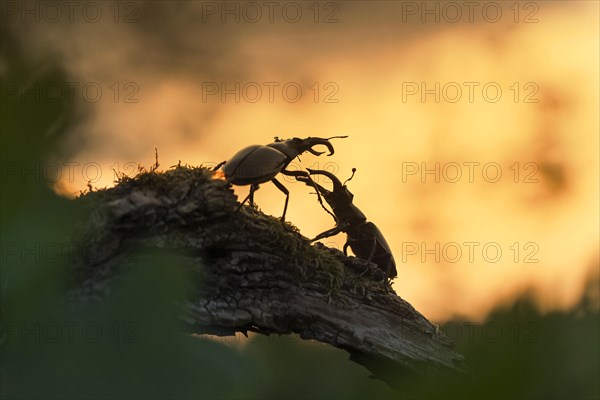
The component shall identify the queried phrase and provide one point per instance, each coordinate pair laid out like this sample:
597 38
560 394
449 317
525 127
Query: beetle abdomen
253 165
361 243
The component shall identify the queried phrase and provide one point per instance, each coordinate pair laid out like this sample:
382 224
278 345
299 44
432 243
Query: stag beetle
364 238
258 164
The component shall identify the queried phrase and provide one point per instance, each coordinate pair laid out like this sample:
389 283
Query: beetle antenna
351 176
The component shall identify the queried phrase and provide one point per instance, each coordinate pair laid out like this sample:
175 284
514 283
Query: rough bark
253 273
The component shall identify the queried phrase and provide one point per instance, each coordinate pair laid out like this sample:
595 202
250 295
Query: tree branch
252 273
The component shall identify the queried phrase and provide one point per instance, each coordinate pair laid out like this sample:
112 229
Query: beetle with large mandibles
364 238
258 164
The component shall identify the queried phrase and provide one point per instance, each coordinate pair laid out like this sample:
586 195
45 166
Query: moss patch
311 263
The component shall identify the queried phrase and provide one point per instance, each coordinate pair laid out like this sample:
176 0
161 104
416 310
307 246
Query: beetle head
296 146
340 198
340 193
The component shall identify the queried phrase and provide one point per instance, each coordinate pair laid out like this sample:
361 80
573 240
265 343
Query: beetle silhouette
258 164
364 238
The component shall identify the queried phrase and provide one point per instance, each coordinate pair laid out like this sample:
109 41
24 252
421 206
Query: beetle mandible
258 164
364 238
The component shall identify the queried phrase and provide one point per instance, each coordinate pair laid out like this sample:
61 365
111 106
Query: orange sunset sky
539 131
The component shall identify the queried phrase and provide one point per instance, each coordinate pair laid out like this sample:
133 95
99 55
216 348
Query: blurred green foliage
133 346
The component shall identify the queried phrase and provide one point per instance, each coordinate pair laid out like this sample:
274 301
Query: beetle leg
287 196
387 271
253 188
365 271
331 232
250 196
219 165
346 248
373 250
387 279
295 173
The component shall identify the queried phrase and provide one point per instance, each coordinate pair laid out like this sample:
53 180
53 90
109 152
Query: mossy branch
252 273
